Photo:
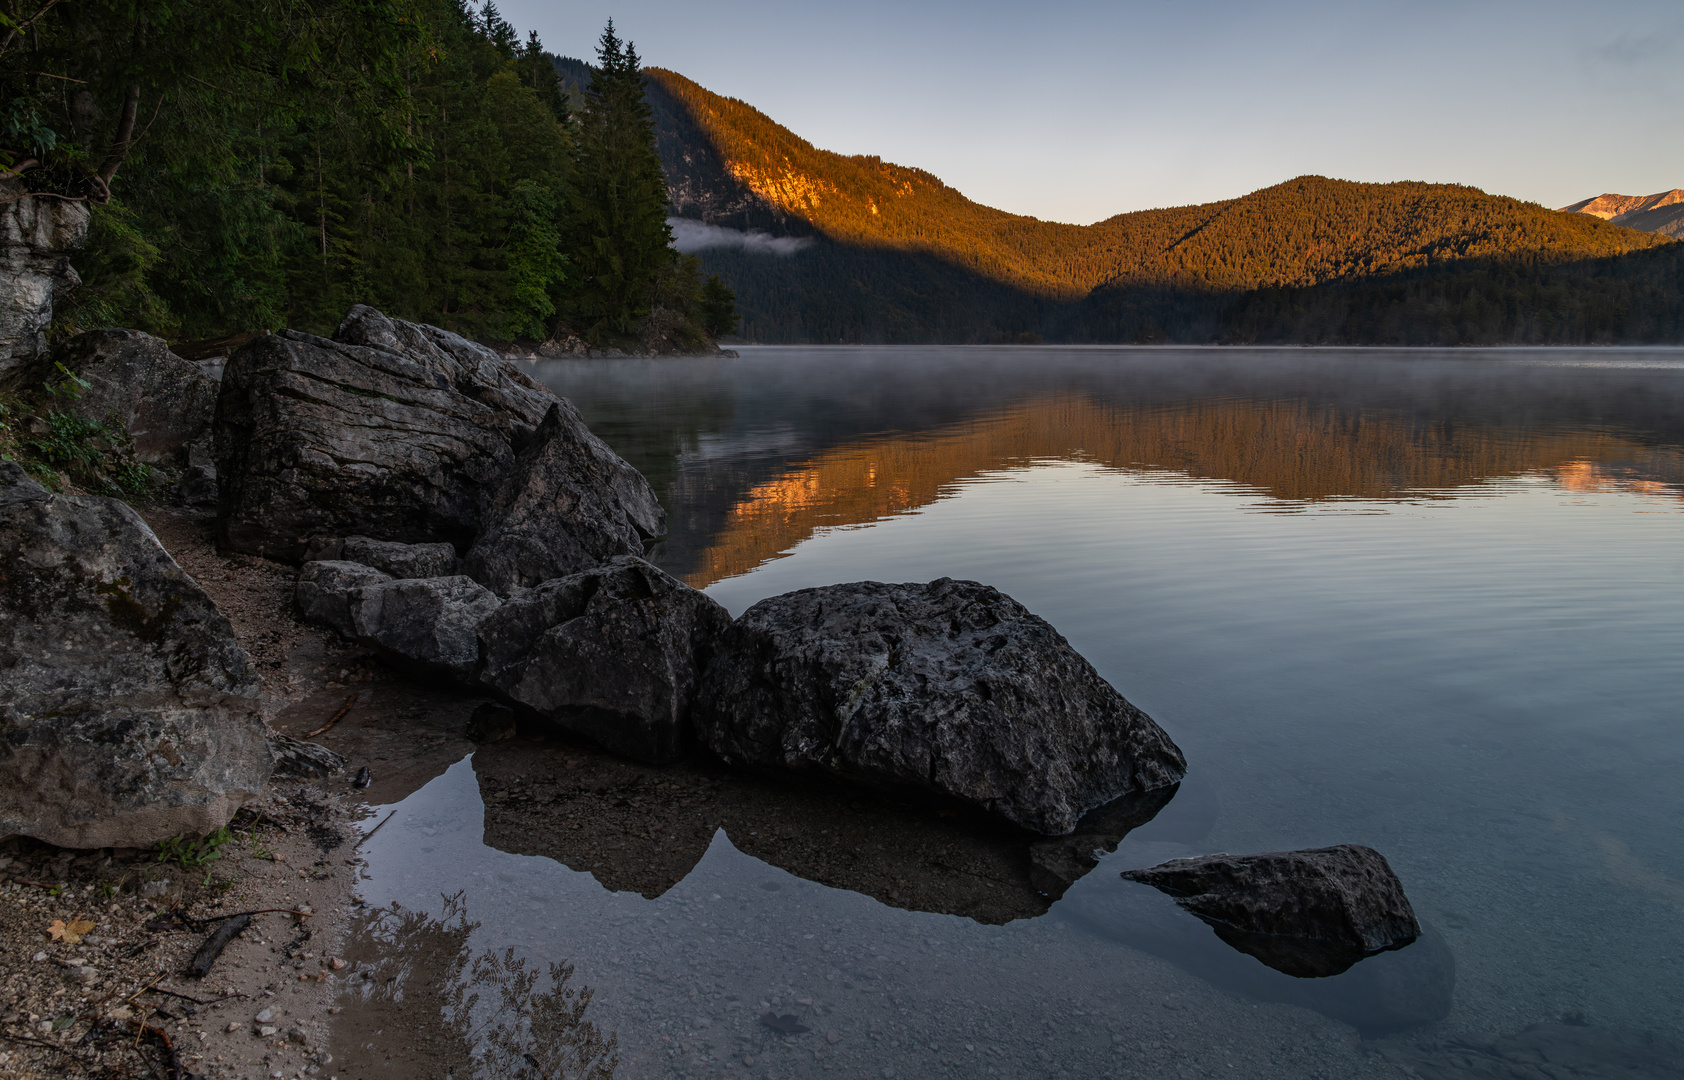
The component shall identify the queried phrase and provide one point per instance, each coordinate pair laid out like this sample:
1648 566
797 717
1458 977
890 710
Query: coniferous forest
262 165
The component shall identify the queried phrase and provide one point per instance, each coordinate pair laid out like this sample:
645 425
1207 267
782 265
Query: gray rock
611 654
1389 991
951 687
395 432
197 483
324 590
136 385
425 625
397 560
570 504
128 711
38 233
296 759
1306 913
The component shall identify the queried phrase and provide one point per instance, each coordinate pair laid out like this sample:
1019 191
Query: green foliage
622 243
718 307
114 265
71 441
192 853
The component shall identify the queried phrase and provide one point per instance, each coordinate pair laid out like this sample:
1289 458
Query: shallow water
1432 602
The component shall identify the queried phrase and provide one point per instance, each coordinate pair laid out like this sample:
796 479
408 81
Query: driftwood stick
202 960
335 718
382 825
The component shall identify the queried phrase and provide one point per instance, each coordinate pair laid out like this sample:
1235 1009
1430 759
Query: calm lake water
1428 601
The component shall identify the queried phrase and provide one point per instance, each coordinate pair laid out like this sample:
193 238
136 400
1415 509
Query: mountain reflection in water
754 457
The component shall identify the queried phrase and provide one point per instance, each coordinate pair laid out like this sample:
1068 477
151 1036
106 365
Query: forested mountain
899 256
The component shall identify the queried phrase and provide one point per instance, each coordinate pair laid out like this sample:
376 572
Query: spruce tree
622 241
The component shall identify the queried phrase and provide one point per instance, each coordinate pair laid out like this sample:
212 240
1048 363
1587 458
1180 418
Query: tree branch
125 135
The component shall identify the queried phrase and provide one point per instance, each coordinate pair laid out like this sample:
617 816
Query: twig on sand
377 828
335 718
202 960
44 1042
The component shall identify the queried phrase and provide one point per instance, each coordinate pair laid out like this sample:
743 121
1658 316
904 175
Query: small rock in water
364 778
1309 913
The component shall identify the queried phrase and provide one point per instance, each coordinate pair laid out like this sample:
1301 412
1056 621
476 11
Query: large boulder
128 712
136 385
38 233
571 503
611 654
951 687
1306 913
393 431
426 626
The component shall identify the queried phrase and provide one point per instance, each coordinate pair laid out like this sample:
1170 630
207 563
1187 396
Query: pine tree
622 242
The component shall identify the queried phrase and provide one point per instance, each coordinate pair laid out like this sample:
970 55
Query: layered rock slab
951 687
427 626
1310 913
392 431
128 711
396 560
570 503
612 654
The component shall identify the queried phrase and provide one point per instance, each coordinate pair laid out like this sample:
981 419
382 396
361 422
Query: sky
1075 110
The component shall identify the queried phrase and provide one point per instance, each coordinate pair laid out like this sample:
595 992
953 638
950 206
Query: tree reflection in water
497 1018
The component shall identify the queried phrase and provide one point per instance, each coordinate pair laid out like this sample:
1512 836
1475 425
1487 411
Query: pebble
265 1016
266 1030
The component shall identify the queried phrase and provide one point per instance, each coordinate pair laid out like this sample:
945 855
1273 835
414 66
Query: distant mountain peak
1661 213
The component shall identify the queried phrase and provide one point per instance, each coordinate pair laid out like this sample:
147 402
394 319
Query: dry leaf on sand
70 933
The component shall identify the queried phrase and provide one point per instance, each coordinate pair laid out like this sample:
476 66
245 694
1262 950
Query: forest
900 256
263 165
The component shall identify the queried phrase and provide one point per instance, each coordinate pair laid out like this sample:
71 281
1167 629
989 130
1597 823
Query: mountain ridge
1661 213
896 254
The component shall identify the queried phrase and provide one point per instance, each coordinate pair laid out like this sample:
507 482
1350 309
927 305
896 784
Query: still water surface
1431 602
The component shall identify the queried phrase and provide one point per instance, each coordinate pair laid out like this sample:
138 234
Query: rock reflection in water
495 1018
641 829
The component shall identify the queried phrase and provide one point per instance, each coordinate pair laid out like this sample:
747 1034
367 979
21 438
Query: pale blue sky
1074 110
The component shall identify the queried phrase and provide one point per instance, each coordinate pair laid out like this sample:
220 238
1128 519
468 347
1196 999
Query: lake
1428 601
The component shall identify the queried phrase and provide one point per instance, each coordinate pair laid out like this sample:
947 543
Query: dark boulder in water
611 654
1390 991
1306 913
952 688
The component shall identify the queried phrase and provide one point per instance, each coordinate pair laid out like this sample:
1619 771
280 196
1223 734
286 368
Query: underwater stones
569 503
1306 913
426 626
394 431
610 654
128 711
952 688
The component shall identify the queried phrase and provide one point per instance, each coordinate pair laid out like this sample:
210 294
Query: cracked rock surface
951 687
129 713
392 431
